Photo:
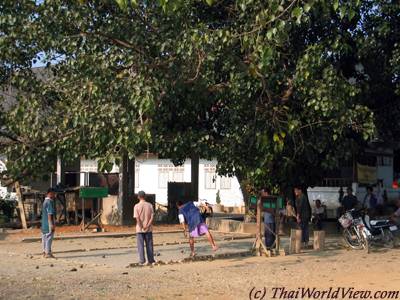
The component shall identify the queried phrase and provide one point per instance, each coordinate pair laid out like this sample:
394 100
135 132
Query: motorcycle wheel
364 242
352 239
388 239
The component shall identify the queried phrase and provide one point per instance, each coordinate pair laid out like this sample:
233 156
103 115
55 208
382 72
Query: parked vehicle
360 231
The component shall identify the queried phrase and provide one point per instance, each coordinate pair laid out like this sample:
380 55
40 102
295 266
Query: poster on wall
366 174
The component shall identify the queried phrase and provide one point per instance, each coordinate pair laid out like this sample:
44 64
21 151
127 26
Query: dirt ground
91 275
75 229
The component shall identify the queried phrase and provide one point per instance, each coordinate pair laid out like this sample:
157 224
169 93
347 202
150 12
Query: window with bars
384 161
225 183
210 177
169 173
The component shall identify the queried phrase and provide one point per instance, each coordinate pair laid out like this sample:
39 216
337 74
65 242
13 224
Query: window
384 160
169 173
210 177
178 174
88 166
225 183
163 173
137 169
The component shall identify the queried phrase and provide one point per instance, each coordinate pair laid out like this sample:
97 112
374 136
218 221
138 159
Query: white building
380 166
152 176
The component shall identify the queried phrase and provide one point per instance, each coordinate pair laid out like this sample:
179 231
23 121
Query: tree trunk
20 205
246 195
194 175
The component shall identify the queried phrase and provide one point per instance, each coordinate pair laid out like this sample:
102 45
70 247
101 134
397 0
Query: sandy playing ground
99 269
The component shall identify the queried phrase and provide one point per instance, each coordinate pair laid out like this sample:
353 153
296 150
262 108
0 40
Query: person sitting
290 210
206 210
395 217
318 215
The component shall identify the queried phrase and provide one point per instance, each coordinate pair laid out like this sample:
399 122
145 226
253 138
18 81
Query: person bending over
191 220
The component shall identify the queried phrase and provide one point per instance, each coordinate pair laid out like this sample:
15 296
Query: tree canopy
277 91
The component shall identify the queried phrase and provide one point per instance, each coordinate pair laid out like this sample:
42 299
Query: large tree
269 88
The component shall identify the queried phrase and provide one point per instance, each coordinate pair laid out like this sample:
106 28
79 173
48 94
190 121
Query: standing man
48 223
349 201
303 214
339 210
395 217
370 201
189 215
269 222
143 212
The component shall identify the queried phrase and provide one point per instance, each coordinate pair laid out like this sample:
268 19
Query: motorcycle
359 231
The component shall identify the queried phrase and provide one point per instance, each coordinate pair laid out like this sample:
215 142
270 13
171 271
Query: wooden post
76 200
277 227
295 241
20 205
258 234
258 243
319 240
83 215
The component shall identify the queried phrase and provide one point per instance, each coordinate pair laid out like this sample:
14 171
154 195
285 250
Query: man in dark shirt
349 201
303 214
269 222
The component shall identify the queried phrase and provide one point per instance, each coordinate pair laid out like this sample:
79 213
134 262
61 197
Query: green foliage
7 208
270 89
218 198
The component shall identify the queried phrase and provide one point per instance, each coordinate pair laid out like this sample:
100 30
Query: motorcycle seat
379 223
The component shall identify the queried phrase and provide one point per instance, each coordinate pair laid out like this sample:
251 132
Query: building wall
3 189
386 174
330 196
150 174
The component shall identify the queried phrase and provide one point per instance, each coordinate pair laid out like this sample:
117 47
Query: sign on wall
366 174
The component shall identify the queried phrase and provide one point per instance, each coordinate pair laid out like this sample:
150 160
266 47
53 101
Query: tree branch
115 41
258 28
